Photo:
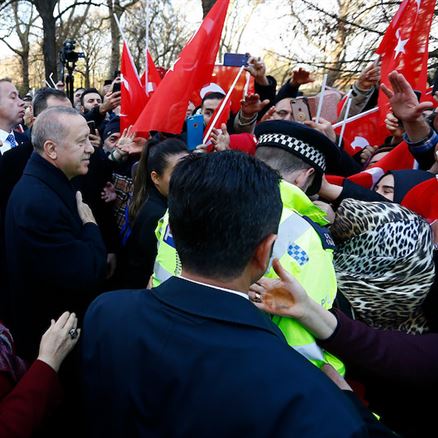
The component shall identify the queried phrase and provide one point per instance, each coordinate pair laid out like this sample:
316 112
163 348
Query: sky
262 32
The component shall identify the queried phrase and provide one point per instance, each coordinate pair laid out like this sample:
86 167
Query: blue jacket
188 360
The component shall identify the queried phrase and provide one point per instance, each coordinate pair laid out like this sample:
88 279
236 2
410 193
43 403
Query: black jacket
188 360
55 263
137 257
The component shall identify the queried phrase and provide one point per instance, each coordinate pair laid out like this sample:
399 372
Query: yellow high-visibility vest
304 248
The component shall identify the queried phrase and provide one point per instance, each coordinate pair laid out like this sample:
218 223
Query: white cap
211 88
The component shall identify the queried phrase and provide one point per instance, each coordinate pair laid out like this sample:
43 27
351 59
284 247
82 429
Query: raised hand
370 76
257 68
403 100
300 77
269 115
111 101
252 104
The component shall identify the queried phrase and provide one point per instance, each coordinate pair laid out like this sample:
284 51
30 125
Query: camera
68 58
68 53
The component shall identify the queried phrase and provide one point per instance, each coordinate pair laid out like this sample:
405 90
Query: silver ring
73 333
257 297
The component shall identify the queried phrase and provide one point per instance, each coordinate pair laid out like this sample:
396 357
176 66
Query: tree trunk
115 36
25 70
206 6
338 54
45 9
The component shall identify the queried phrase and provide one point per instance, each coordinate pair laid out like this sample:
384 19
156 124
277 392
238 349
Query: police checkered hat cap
298 147
310 145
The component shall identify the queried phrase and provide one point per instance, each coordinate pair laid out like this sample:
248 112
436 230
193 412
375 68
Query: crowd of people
232 290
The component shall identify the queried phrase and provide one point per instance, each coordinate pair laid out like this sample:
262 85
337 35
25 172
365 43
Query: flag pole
125 42
347 111
146 67
120 28
321 99
356 117
222 106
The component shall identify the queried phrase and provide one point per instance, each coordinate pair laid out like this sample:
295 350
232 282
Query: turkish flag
224 77
166 109
133 94
154 77
423 199
399 158
361 132
404 47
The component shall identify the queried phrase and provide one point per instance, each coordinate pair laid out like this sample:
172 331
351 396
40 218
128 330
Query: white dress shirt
217 287
6 144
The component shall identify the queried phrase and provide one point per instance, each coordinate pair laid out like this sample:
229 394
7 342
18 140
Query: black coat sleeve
266 92
355 191
287 90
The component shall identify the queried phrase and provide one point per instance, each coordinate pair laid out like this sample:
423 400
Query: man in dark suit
11 115
56 258
194 357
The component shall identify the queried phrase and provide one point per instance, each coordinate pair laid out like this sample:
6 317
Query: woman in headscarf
393 186
384 263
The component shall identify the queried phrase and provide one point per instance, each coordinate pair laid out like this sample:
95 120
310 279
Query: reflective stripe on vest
299 249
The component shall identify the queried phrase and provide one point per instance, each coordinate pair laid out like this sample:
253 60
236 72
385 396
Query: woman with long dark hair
148 204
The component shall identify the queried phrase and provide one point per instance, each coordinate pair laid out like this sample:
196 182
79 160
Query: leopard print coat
384 263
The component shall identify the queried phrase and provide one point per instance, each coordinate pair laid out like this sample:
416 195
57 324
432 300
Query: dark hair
213 96
221 206
154 157
39 103
281 160
88 91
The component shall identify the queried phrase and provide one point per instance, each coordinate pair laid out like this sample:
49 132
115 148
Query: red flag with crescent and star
404 47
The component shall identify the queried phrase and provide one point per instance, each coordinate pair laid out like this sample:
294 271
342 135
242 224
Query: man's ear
303 178
49 149
263 252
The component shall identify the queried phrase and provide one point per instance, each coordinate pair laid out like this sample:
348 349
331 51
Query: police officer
304 246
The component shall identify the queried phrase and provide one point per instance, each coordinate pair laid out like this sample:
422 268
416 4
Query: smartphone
116 73
116 86
195 131
236 59
92 125
300 109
